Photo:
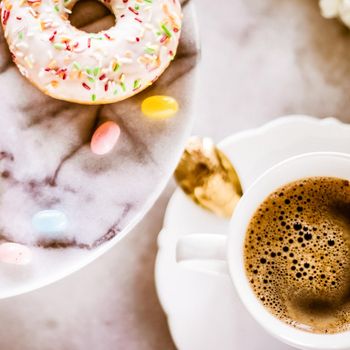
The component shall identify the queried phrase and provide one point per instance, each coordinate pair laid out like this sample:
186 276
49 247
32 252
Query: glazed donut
69 64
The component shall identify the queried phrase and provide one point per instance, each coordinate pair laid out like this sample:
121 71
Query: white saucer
196 319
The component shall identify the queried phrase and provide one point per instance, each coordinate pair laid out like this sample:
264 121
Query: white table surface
260 60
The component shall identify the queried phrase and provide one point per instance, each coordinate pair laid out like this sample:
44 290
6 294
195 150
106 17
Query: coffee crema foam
297 254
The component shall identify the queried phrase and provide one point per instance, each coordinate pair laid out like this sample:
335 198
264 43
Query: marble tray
45 161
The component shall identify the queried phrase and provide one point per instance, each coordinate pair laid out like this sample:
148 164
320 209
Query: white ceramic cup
216 250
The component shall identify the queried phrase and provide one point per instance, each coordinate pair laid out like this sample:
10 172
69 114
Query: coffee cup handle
205 252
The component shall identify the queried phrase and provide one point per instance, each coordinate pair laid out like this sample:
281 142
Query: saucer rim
259 131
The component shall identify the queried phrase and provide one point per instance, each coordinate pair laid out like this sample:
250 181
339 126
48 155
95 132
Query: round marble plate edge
52 278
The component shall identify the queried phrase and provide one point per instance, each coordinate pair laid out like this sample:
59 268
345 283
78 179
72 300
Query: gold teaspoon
207 176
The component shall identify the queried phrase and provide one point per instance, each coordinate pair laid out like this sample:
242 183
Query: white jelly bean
14 253
50 221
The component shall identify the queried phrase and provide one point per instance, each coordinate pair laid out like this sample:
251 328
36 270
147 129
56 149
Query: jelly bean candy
104 138
14 253
50 222
159 107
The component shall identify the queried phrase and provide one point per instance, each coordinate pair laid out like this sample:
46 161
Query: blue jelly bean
50 221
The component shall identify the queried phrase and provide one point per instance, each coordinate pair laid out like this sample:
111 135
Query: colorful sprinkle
159 107
59 46
137 84
5 17
166 30
115 66
86 86
77 65
150 50
105 138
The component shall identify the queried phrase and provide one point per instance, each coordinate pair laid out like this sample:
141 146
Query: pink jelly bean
104 138
14 253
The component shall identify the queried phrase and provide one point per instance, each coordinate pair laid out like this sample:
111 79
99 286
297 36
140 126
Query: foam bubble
297 254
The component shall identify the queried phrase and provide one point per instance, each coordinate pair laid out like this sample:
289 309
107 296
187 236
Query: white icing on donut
88 68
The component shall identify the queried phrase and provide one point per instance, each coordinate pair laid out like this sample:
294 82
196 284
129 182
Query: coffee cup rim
313 164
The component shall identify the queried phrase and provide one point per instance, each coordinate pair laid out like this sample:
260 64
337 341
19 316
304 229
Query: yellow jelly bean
159 107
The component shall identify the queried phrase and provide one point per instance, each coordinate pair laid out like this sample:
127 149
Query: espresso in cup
297 254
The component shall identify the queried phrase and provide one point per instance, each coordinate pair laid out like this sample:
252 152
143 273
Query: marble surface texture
261 60
46 161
